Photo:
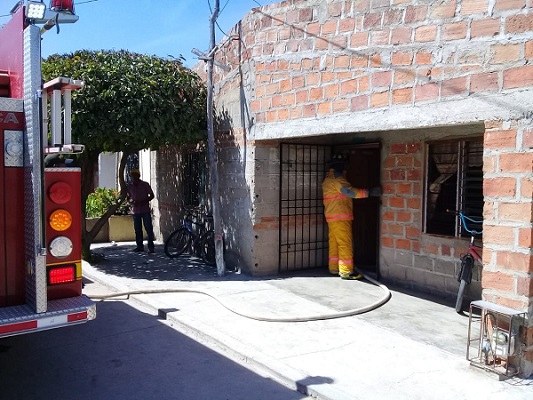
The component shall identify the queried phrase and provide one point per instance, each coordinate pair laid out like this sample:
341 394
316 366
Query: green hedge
99 201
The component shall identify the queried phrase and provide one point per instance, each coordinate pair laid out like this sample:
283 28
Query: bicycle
467 260
195 235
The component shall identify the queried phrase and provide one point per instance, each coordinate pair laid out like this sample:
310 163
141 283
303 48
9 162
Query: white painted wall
107 170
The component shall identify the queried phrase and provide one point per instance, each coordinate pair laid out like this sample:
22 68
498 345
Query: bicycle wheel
207 248
178 242
465 276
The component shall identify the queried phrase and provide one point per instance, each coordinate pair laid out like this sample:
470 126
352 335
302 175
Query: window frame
468 182
195 172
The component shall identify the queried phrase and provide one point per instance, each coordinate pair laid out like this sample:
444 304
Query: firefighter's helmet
337 163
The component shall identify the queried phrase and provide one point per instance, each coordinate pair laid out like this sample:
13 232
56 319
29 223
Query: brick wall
370 67
508 218
508 176
312 60
402 182
410 257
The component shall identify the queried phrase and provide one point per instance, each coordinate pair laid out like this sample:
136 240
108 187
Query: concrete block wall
265 181
322 67
168 188
236 186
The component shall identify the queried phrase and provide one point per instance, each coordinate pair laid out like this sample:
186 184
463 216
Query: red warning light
60 192
62 6
61 275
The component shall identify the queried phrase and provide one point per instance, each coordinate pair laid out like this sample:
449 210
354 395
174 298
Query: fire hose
339 314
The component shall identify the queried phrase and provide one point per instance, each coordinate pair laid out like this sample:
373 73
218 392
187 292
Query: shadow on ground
127 354
120 260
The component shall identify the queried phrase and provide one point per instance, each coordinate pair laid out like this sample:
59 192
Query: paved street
126 353
195 335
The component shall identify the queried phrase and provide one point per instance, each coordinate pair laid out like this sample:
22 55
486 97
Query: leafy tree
129 102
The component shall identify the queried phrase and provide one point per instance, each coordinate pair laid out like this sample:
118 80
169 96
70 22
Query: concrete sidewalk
408 348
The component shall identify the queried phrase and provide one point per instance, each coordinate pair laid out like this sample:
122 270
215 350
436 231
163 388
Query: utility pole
213 160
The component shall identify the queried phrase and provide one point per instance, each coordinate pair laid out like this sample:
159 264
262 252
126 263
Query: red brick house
433 100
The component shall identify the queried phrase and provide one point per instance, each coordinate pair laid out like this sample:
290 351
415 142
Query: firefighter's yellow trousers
340 247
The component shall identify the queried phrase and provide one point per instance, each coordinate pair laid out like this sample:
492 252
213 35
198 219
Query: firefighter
338 209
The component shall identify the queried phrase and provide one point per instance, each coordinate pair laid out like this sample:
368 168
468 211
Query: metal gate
303 235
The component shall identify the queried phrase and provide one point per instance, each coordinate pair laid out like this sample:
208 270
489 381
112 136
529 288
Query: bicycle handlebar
465 219
196 215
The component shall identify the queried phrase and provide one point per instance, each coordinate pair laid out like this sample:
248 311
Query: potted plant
120 225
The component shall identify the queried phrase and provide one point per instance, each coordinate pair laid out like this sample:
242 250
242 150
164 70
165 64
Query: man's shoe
138 249
353 276
333 272
151 249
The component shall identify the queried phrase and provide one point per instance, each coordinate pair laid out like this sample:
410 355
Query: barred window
195 179
131 163
454 181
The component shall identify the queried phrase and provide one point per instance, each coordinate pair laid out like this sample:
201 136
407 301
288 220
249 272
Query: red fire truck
40 207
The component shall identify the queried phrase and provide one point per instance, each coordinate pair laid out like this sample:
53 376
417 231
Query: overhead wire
220 46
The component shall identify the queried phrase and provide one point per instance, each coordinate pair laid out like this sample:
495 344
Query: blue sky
160 27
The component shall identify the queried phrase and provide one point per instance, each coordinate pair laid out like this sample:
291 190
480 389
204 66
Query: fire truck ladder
58 93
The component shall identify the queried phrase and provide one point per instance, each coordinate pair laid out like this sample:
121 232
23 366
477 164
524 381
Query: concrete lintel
475 109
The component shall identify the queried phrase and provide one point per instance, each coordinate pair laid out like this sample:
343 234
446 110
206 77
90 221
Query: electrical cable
318 317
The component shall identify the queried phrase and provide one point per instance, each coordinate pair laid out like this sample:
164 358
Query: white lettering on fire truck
9 117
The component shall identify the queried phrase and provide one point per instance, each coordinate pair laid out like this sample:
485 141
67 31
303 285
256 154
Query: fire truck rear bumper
63 312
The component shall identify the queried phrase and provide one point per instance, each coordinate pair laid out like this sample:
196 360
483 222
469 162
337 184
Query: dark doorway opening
363 170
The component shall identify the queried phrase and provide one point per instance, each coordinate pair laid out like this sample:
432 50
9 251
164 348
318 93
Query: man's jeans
138 221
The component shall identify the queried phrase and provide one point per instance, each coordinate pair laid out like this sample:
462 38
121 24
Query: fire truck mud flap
62 312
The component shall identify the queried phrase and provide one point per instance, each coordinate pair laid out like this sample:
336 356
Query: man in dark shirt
140 194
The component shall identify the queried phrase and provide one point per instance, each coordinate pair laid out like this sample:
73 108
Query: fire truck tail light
60 220
60 247
62 207
60 192
61 275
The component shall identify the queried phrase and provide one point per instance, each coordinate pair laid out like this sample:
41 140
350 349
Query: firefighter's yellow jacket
337 196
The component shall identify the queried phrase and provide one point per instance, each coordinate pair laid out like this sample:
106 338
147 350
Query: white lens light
61 247
35 10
